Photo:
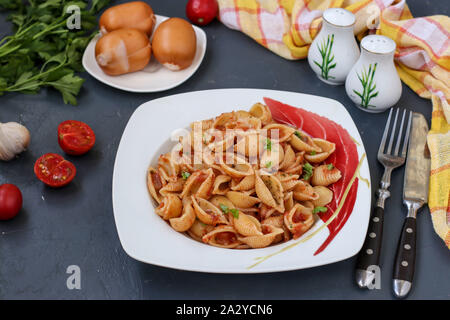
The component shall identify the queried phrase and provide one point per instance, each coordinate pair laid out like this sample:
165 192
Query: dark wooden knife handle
370 252
406 252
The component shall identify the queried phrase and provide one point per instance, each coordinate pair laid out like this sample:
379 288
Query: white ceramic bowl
147 238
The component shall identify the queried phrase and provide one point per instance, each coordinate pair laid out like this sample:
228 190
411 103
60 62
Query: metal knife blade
417 172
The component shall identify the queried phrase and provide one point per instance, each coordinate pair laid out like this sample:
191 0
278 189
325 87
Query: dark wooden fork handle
369 256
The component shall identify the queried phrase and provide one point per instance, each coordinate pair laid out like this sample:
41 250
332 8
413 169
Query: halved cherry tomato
54 170
10 201
75 137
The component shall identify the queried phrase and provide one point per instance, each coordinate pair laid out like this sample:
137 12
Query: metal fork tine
385 133
391 140
400 134
408 128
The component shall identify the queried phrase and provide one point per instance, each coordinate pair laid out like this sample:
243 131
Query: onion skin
123 51
174 44
137 14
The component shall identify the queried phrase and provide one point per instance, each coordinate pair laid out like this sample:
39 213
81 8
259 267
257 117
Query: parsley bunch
43 52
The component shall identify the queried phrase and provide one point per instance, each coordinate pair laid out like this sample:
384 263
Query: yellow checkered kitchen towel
287 27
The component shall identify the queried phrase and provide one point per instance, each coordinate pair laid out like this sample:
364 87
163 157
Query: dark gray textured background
75 225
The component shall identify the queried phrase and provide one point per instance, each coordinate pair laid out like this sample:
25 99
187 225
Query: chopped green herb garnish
330 166
313 153
185 175
235 213
308 171
268 145
298 134
224 208
319 209
268 164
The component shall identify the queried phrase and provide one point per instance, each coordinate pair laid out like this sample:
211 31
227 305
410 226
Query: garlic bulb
14 139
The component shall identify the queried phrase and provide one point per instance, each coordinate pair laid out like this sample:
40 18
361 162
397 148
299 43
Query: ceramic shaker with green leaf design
373 83
334 50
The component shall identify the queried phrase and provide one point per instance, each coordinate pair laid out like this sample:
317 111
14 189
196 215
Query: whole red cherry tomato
75 137
10 201
201 12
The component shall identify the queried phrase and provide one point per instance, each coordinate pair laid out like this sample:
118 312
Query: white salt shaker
334 51
373 83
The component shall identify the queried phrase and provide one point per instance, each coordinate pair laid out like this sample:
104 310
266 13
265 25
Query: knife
415 195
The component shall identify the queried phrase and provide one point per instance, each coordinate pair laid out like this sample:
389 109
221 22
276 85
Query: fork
368 259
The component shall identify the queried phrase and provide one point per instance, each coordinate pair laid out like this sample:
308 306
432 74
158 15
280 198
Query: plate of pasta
241 181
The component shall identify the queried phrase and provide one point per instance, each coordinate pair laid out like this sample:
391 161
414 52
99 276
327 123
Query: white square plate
154 77
147 238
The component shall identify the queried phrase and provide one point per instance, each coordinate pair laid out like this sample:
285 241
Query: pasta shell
325 196
241 200
297 166
261 112
167 167
221 200
200 183
288 201
269 190
278 222
324 176
303 142
245 124
186 220
203 124
221 184
308 204
247 225
327 149
278 132
199 229
247 183
265 211
221 121
154 184
248 144
299 220
289 157
289 185
208 213
237 168
222 237
304 191
170 207
172 187
269 234
271 159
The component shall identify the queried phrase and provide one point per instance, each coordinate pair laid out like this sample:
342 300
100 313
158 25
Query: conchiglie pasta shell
167 166
299 220
199 229
241 200
221 121
152 188
172 187
270 191
170 207
270 159
214 238
247 225
239 167
261 112
221 200
186 220
304 191
304 144
247 183
248 144
325 196
284 132
289 185
208 213
288 201
322 176
289 157
327 149
200 183
204 124
221 184
264 240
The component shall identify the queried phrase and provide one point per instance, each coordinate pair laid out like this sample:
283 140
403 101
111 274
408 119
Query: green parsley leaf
313 153
268 164
224 208
268 145
319 209
308 171
235 213
298 134
185 175
330 166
